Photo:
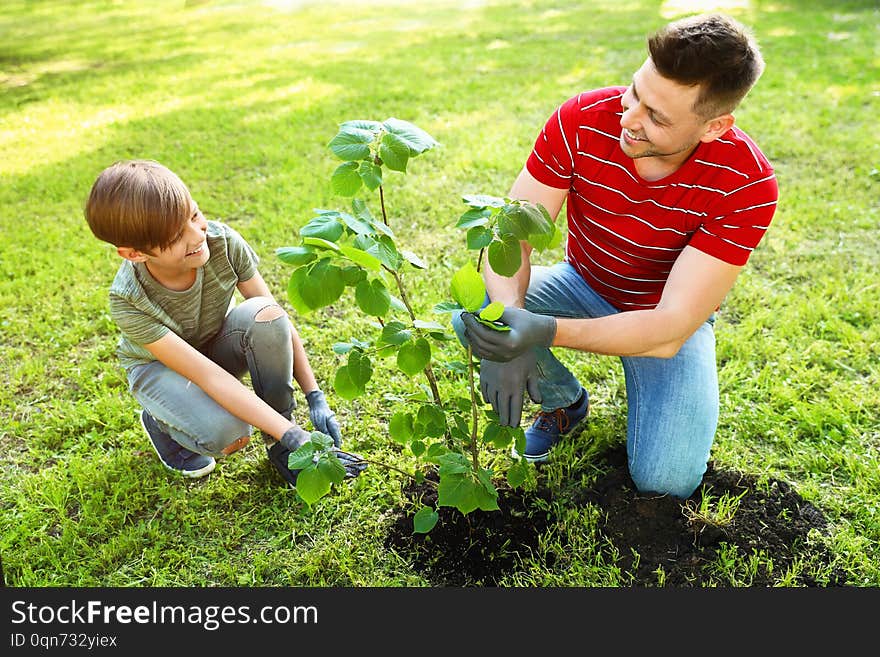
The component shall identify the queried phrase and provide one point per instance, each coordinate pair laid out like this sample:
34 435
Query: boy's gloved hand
323 419
294 438
527 330
502 385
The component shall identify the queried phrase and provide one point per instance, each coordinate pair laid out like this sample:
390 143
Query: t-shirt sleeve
739 222
136 325
551 161
242 257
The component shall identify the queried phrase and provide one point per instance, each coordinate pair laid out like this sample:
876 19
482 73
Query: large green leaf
487 495
322 285
395 333
414 356
505 255
352 143
331 467
424 520
312 484
372 126
483 201
346 181
360 368
361 258
372 297
324 226
344 386
493 311
295 255
382 248
293 286
352 274
518 473
302 457
370 174
321 243
394 152
479 237
474 217
416 139
458 491
430 421
400 427
467 287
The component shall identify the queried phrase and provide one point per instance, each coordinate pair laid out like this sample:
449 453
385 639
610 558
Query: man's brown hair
139 204
713 51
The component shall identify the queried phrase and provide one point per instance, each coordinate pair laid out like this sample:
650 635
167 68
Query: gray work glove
323 419
527 330
502 385
294 438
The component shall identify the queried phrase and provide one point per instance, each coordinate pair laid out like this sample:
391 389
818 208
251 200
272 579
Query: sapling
358 250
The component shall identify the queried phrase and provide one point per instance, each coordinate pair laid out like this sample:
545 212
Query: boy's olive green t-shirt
145 311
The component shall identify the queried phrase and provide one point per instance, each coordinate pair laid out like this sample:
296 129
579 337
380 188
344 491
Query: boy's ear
129 253
717 127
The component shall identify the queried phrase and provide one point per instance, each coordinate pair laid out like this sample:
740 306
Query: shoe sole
189 474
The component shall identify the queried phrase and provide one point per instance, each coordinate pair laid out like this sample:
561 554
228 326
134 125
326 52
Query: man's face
658 118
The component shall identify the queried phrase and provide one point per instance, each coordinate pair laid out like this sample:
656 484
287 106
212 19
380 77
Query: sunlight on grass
675 8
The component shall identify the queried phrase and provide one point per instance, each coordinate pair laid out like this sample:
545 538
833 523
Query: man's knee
680 480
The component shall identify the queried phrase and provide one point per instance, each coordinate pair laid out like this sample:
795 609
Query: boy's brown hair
139 204
713 51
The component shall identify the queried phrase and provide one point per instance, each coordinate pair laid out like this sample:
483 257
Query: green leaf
352 274
436 450
494 325
321 243
312 484
395 333
360 368
322 285
400 427
344 386
352 143
485 491
357 224
417 447
361 124
361 258
413 357
302 457
293 287
428 326
372 297
416 139
346 181
371 175
324 226
398 305
493 311
295 255
483 201
413 259
458 491
518 473
331 467
467 288
505 255
430 421
447 307
424 520
473 218
478 238
394 152
382 248
454 463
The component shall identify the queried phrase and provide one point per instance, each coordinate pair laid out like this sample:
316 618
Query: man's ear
129 253
717 127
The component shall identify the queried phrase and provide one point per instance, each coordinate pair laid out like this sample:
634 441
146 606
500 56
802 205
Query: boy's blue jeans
244 344
672 403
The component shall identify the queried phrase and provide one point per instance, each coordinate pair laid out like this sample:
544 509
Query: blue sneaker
173 455
549 426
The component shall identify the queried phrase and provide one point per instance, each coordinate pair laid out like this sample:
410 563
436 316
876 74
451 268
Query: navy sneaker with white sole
550 426
172 454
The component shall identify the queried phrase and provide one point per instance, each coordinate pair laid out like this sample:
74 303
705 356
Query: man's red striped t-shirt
624 233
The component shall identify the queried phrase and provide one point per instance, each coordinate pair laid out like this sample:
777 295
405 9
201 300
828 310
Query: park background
240 99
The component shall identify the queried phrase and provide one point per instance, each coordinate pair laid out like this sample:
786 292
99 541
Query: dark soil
481 548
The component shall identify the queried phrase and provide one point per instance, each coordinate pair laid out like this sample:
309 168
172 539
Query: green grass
240 99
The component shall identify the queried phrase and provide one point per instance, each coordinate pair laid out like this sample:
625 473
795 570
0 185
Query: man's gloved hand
527 330
502 385
323 419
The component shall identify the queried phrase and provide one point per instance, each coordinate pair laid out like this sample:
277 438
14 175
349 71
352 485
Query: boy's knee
268 313
226 436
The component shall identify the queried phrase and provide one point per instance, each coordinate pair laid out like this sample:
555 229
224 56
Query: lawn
240 99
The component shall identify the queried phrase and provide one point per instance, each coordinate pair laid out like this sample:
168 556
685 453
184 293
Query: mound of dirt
645 534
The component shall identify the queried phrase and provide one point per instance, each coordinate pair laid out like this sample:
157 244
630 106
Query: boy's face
187 252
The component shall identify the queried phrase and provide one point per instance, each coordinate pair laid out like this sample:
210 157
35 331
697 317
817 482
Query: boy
182 353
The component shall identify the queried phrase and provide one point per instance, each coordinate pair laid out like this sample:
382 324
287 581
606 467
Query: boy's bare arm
302 370
219 384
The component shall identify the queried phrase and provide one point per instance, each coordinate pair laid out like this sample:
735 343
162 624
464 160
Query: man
666 200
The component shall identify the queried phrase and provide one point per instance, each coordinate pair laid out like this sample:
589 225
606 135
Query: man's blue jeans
672 402
243 345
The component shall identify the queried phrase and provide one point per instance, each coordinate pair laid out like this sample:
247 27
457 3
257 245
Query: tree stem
391 467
